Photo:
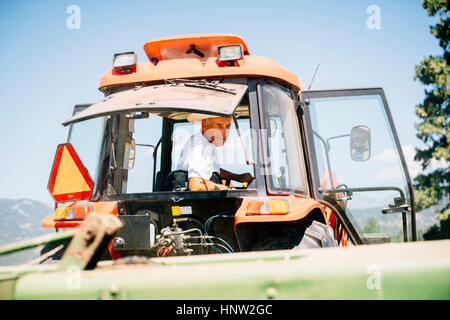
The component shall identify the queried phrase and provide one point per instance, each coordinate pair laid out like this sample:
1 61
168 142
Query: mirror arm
155 150
336 137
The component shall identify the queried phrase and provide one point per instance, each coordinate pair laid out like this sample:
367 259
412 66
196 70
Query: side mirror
272 128
130 152
360 143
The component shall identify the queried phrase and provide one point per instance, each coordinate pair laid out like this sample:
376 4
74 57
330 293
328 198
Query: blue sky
47 68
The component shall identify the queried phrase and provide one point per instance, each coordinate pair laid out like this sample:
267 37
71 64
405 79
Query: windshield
146 146
285 166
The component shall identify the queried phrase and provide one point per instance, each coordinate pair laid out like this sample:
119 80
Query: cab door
357 166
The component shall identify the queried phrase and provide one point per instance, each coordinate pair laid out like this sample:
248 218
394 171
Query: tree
438 232
433 184
371 226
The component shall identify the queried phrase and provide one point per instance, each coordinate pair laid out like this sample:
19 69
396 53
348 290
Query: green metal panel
10 275
26 244
390 271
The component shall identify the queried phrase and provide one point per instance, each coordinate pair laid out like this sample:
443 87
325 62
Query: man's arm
227 175
200 184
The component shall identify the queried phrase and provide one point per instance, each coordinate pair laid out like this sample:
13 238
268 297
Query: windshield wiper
201 84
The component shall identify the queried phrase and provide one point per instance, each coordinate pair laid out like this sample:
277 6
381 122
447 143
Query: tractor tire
317 235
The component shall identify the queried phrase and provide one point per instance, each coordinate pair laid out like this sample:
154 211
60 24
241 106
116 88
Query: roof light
230 52
125 61
268 206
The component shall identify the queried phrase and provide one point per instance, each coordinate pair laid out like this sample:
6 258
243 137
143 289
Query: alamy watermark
374 20
73 281
374 280
73 21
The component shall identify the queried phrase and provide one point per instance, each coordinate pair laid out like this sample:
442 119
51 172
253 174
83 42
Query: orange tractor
327 167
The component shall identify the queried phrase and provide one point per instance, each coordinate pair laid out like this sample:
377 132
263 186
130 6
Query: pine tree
433 185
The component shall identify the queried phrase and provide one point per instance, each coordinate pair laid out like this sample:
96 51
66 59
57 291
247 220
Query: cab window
147 148
285 169
231 155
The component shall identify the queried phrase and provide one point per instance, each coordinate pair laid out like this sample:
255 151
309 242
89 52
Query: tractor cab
326 166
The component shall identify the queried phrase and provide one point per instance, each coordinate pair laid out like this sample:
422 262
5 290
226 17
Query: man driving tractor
199 157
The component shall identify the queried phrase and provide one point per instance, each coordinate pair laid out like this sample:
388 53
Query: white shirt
199 157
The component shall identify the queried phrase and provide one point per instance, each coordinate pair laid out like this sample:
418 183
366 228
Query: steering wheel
243 187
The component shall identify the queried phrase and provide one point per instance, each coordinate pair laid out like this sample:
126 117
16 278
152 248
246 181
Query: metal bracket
90 241
402 208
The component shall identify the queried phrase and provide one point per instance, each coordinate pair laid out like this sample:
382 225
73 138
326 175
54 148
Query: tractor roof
169 59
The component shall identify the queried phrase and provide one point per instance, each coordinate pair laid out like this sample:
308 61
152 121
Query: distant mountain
21 219
427 218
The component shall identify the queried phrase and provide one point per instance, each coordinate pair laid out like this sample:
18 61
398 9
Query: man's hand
199 184
223 187
245 177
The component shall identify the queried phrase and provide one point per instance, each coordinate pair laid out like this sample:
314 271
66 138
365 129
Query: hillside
392 223
20 219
